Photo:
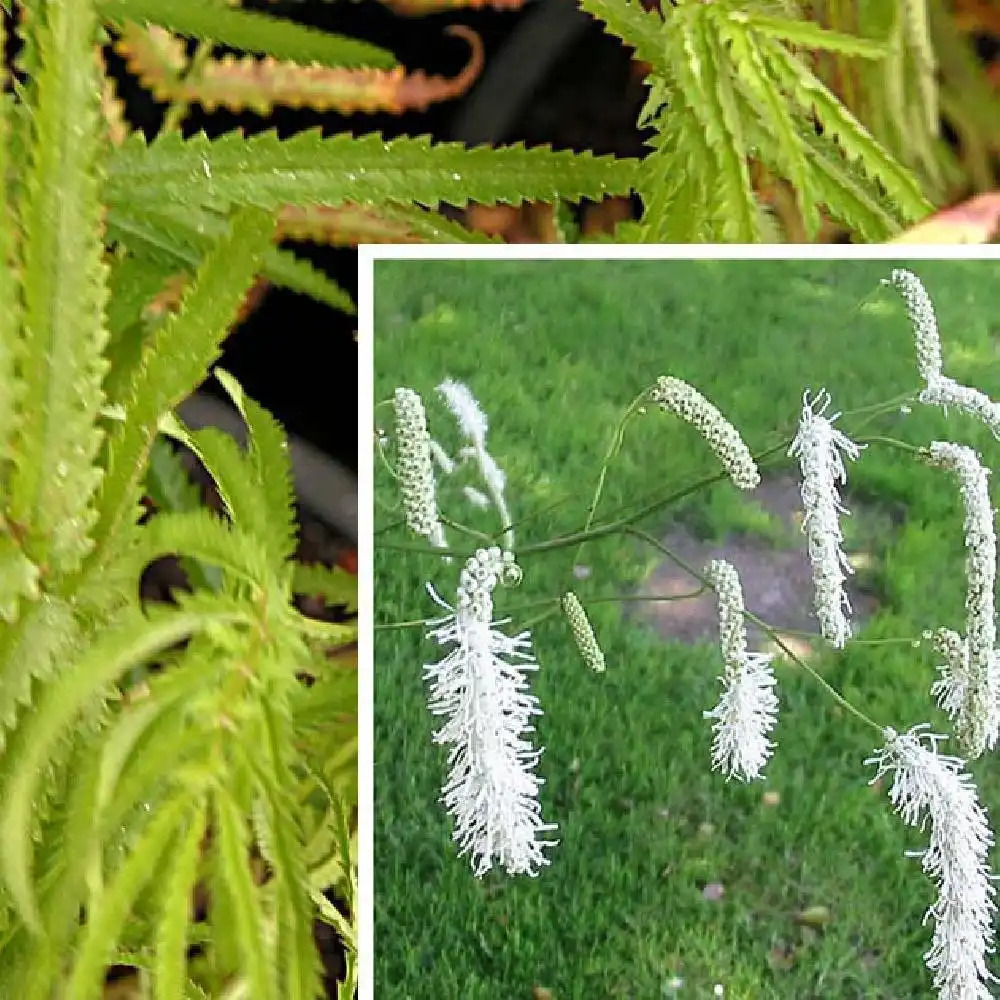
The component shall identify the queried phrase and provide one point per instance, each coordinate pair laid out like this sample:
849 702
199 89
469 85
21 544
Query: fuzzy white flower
474 426
583 632
748 708
925 328
818 446
415 467
977 681
944 392
686 402
927 785
481 689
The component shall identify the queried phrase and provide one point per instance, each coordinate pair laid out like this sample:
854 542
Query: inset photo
686 677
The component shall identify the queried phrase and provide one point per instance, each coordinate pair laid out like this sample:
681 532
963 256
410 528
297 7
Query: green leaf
18 579
310 169
284 849
171 489
853 138
848 194
176 361
673 185
106 919
287 270
335 585
64 290
204 536
780 143
60 703
10 299
268 453
45 633
245 907
251 31
699 66
134 280
642 31
171 932
180 235
809 35
431 226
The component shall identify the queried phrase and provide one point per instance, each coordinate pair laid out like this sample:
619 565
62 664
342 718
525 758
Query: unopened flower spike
416 468
970 688
686 402
818 446
474 426
928 786
583 633
748 708
481 689
925 328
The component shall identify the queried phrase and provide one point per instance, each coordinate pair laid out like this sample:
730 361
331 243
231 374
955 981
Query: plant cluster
481 684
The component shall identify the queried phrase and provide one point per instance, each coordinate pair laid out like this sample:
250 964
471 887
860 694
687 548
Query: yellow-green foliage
150 753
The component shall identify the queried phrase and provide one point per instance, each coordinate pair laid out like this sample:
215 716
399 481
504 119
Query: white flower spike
474 426
818 446
970 689
416 468
748 708
481 689
686 402
944 392
927 785
940 390
925 328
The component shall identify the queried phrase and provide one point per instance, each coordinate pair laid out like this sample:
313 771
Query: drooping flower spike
928 786
819 446
481 689
940 390
748 708
969 689
944 392
926 338
683 400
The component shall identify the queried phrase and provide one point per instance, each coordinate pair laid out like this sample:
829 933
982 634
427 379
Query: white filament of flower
929 786
748 707
474 426
818 447
481 689
971 693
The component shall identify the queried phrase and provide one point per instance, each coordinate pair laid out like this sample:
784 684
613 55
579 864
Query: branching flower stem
770 632
617 439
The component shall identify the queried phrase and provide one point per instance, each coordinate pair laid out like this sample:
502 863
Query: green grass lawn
555 351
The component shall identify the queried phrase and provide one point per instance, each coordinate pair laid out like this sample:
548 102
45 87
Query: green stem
893 443
617 438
